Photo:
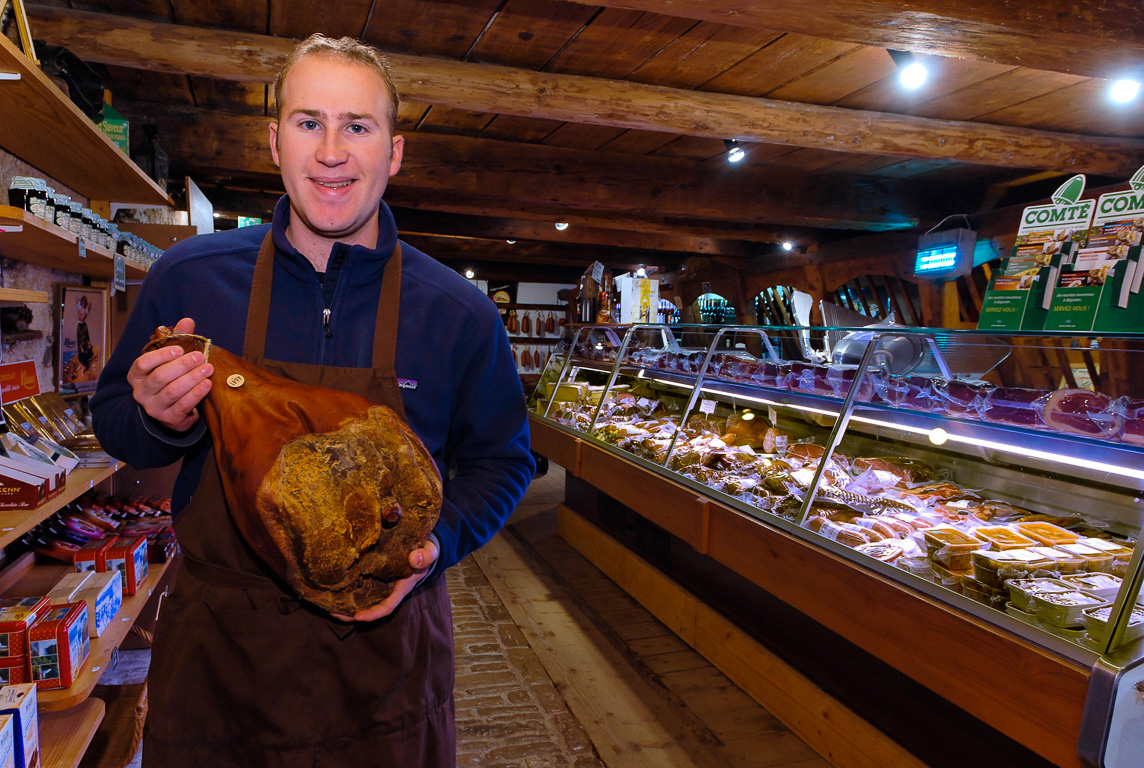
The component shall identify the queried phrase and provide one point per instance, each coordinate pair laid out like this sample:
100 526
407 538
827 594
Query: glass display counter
999 475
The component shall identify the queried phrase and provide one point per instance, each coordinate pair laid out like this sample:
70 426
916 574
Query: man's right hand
168 383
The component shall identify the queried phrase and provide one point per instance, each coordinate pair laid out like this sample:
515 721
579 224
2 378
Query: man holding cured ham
244 671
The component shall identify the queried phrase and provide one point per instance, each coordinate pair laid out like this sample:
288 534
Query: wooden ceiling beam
506 90
528 175
1095 38
424 215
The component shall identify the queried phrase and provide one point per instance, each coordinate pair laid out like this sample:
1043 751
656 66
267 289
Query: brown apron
244 674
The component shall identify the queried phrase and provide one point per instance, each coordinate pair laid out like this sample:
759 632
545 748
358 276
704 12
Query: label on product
82 248
119 281
707 406
773 416
643 402
780 443
598 272
747 449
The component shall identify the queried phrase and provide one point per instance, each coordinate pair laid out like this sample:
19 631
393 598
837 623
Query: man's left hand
421 560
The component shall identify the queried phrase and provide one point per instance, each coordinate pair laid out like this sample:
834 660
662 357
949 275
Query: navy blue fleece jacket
461 392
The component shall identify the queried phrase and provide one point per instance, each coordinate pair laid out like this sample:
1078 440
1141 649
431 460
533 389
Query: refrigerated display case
976 478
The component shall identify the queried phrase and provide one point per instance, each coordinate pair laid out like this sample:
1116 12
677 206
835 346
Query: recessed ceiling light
913 75
470 274
511 242
562 225
1124 90
788 245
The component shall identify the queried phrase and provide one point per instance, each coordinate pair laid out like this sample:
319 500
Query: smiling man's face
335 149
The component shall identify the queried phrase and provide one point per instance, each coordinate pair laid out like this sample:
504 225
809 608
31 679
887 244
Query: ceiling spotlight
912 73
641 272
217 215
562 225
1124 90
735 153
470 274
511 242
788 245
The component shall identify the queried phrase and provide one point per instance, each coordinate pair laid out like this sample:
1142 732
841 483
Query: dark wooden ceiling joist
495 89
229 197
526 175
1096 38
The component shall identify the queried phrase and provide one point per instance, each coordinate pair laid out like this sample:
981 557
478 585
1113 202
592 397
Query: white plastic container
1022 591
1065 609
1103 585
1096 622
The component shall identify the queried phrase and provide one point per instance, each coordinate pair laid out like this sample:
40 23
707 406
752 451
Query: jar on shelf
75 222
63 212
30 194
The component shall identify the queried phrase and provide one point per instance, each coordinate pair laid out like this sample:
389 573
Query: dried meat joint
330 490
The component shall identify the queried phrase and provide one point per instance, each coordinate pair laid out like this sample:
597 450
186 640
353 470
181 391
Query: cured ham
1079 411
331 491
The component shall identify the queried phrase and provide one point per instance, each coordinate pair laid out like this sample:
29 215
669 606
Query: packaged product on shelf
20 490
1060 561
7 741
68 587
129 556
1121 554
1103 585
56 477
1022 591
1047 533
1002 537
59 645
103 594
15 671
20 701
93 555
17 616
1065 609
1096 622
1094 559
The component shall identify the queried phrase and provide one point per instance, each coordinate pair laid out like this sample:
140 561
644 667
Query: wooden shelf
43 243
65 736
38 579
14 523
20 296
42 127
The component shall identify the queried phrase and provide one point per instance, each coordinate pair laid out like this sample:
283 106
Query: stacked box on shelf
59 644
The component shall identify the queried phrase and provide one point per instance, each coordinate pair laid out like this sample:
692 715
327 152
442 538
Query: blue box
103 594
20 702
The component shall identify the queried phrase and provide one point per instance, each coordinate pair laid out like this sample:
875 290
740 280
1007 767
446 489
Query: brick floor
509 713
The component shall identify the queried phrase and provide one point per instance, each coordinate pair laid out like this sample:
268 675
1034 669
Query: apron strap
388 308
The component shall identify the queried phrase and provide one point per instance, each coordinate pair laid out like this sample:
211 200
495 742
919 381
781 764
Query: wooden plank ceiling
612 114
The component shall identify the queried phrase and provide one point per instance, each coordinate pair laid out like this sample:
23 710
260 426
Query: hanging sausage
550 324
525 324
511 325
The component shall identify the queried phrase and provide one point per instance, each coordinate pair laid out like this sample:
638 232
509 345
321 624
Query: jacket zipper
326 322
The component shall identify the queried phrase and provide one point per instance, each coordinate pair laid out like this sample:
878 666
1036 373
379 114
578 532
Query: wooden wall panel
616 42
528 33
430 27
782 61
345 18
700 54
837 79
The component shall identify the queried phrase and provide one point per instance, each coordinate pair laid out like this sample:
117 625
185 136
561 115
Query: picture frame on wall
82 338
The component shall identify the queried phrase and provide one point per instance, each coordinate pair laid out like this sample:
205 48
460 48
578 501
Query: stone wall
15 273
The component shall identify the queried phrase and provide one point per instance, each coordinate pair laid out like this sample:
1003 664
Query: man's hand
421 560
168 384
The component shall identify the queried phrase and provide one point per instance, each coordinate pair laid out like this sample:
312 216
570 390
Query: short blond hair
346 49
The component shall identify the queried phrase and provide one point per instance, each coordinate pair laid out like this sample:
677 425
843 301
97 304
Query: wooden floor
642 696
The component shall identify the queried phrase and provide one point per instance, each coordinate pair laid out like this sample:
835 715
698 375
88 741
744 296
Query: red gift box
59 645
93 555
15 671
130 557
17 615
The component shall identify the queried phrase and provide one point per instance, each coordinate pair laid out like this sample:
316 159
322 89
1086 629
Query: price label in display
598 272
772 415
119 281
643 402
82 248
707 406
747 449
